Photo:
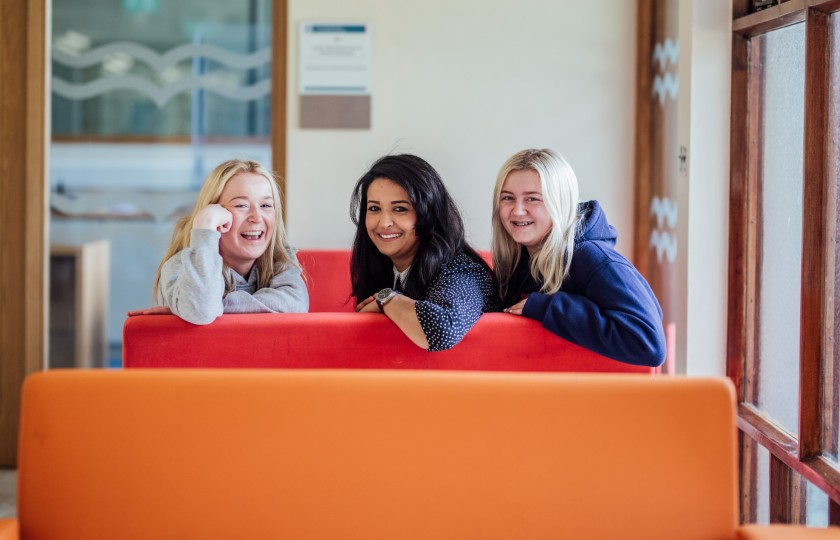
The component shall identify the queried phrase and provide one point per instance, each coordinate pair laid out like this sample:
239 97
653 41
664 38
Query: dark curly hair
439 228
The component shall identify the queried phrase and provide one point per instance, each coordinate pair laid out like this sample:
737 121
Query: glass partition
147 97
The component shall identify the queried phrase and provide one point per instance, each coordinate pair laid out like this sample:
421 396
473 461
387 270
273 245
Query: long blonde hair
560 194
276 256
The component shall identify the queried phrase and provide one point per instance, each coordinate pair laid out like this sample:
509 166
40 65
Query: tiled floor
8 493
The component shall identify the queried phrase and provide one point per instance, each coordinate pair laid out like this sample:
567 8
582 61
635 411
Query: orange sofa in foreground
300 454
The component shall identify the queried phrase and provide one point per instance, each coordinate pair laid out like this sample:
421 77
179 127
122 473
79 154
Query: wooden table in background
79 278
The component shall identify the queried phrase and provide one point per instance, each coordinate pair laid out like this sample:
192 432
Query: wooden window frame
802 455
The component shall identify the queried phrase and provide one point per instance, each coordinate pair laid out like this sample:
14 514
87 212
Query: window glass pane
147 97
817 506
831 378
145 67
780 255
762 472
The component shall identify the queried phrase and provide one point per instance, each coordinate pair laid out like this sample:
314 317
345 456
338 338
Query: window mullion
738 222
814 247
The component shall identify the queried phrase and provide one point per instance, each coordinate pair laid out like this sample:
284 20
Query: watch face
384 293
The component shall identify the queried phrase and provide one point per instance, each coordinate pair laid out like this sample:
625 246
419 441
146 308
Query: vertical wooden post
831 310
813 286
798 500
644 76
780 483
748 459
23 136
279 45
833 513
738 200
657 155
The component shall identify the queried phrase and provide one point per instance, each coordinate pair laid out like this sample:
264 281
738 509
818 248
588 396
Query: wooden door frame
279 66
23 225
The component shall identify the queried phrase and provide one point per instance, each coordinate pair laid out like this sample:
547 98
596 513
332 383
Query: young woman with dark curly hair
410 260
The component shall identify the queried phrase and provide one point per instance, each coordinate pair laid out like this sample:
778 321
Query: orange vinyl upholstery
9 529
785 532
212 454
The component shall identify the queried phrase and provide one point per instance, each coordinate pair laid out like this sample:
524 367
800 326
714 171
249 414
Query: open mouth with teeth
522 223
252 235
389 236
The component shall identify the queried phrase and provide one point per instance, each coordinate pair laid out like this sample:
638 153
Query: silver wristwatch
384 296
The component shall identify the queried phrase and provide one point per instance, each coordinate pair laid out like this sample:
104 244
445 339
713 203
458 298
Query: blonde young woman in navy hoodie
555 261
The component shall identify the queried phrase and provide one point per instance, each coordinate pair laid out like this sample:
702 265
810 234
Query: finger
157 310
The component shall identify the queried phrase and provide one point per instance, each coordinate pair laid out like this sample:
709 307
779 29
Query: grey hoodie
192 285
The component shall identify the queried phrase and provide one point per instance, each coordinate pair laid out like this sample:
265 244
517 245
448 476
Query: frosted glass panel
161 69
816 506
762 488
780 244
831 395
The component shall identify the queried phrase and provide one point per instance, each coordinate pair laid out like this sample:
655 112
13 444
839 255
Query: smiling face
248 196
522 211
390 220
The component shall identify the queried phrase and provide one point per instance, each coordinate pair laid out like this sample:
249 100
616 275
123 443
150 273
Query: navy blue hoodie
604 305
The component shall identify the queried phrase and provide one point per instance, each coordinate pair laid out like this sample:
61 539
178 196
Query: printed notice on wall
335 59
335 74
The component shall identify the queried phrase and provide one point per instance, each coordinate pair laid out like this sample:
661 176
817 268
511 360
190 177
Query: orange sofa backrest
375 454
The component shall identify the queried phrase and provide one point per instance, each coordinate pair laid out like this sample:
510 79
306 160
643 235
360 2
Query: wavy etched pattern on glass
168 80
781 135
218 85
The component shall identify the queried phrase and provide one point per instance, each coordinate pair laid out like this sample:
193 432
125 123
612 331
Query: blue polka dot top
456 298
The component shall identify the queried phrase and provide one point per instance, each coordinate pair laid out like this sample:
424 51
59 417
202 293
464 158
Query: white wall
465 84
705 64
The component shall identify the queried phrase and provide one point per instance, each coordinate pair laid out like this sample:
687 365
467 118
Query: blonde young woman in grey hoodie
230 255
